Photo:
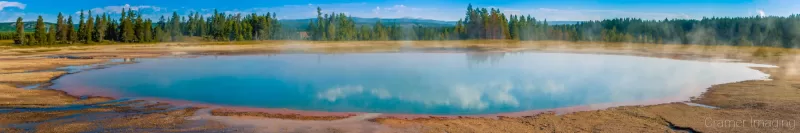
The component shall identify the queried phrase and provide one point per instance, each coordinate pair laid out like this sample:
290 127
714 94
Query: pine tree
158 34
131 27
126 28
319 29
236 33
266 27
29 39
364 33
504 26
61 28
202 26
331 30
89 29
100 28
51 34
40 33
148 33
275 26
81 28
72 36
191 27
112 31
20 35
380 32
139 30
311 29
218 26
175 27
460 29
122 21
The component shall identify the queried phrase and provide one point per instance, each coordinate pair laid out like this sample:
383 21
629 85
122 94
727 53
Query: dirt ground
748 106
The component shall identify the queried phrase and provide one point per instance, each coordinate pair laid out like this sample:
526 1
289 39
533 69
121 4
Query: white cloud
472 96
402 9
397 8
5 4
381 93
340 92
761 13
377 10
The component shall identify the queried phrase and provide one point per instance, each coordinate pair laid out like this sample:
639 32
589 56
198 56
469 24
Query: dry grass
30 77
15 97
80 48
31 64
6 42
37 50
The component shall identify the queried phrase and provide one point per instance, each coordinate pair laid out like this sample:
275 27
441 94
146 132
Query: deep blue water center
409 83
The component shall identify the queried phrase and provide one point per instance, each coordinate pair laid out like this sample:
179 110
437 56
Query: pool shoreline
390 117
313 114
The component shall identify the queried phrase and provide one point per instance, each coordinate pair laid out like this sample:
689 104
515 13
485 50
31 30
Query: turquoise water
409 83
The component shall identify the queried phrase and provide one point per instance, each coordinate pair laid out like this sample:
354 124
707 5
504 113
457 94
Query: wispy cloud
761 13
12 15
465 96
5 4
377 10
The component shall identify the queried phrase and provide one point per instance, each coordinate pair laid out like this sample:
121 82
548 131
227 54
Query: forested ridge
478 24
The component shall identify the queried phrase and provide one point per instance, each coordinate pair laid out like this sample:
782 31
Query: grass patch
79 48
46 50
37 50
760 52
231 43
77 44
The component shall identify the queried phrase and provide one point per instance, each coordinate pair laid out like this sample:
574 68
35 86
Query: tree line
738 31
8 35
132 28
478 24
483 23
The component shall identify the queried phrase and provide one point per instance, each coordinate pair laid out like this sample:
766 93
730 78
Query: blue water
409 83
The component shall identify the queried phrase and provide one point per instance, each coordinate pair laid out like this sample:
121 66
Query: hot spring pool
409 83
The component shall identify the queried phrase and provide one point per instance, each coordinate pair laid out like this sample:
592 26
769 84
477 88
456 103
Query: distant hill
302 24
562 22
12 26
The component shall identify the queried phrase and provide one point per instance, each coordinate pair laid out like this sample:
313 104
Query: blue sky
554 10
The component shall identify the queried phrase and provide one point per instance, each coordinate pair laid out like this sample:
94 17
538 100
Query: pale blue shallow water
409 83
